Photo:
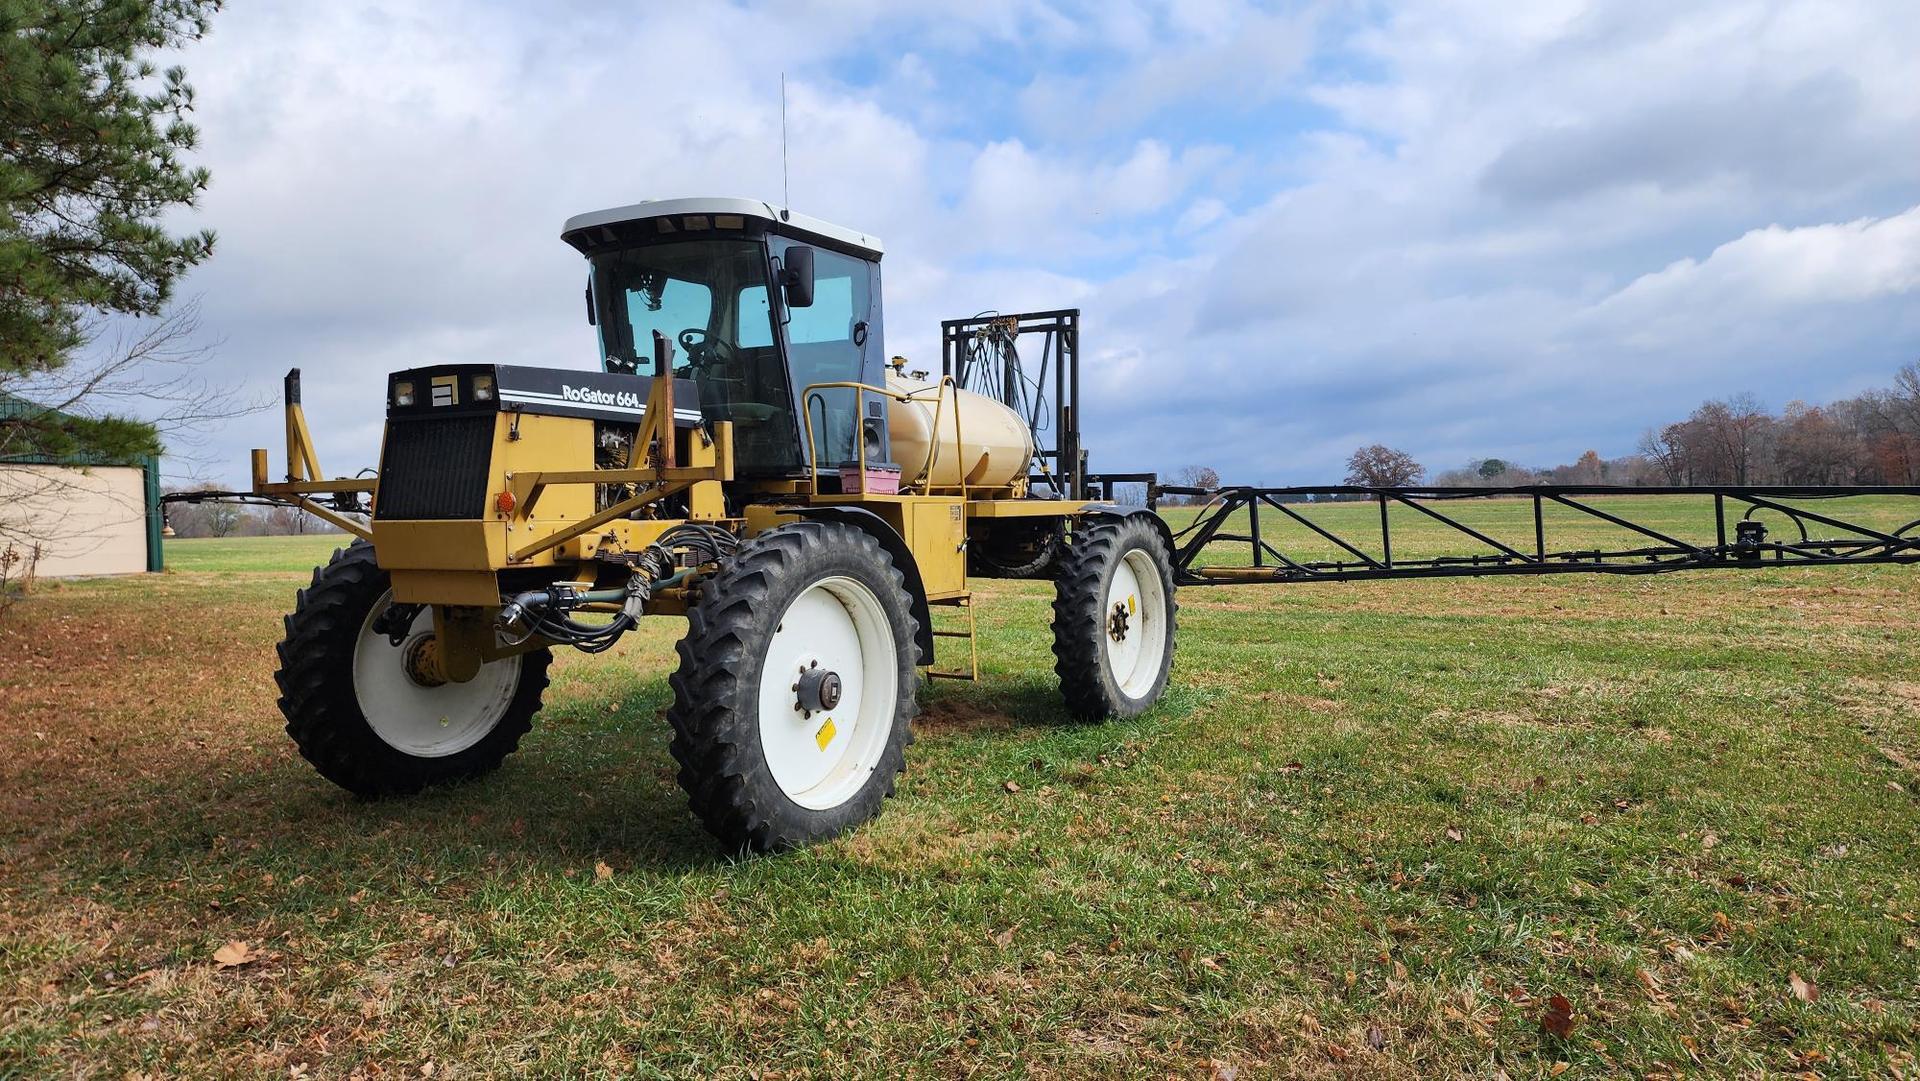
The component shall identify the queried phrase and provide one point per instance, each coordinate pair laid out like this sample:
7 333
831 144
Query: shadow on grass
993 704
592 782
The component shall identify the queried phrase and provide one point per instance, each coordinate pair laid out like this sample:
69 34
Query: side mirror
796 277
592 319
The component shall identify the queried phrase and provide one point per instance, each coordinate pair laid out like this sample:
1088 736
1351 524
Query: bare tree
1663 450
1383 467
209 519
1197 476
1735 434
1815 447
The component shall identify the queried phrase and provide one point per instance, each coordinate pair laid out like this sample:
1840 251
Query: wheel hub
422 662
1117 622
817 689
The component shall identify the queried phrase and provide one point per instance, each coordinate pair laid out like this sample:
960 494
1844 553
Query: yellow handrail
813 391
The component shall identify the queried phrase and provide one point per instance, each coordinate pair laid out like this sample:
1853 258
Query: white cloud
1818 264
1469 228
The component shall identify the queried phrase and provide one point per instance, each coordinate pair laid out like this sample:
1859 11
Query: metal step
972 671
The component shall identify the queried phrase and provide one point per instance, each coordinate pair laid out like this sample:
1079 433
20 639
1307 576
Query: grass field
1373 831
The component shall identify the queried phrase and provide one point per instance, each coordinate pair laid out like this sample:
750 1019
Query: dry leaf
1709 840
1011 786
601 872
234 954
1559 1068
1376 1037
1224 1071
1559 1016
1804 990
1454 834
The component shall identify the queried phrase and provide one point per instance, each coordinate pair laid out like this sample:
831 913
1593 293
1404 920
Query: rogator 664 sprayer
747 457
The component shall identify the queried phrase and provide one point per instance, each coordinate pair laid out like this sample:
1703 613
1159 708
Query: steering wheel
703 351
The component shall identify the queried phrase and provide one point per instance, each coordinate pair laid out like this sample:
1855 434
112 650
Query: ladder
964 602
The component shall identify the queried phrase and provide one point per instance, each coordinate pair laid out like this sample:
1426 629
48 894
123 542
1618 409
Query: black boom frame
982 354
1227 510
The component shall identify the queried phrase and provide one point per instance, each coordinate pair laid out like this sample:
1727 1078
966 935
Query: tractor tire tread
715 733
317 698
1079 616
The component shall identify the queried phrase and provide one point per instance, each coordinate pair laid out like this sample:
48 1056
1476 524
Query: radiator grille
435 468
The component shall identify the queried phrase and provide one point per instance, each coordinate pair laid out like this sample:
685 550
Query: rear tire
357 716
761 770
1113 618
1014 547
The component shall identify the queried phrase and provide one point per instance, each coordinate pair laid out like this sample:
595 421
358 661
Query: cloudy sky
1464 229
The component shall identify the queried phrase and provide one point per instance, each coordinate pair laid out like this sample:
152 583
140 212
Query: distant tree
1196 476
207 519
1589 469
1815 446
1381 466
1662 450
1734 436
1491 468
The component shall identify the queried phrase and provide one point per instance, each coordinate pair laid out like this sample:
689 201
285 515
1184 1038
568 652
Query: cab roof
591 230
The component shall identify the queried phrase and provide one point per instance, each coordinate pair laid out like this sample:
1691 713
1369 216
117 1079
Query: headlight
403 393
483 388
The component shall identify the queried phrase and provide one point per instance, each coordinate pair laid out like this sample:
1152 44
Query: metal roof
785 220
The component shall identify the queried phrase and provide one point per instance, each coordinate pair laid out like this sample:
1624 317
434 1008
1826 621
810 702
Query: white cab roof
750 208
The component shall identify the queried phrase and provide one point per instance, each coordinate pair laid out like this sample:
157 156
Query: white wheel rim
822 758
425 722
1135 653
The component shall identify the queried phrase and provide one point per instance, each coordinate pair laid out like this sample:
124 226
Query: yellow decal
1131 607
825 735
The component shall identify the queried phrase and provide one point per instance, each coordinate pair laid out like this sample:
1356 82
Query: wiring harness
665 563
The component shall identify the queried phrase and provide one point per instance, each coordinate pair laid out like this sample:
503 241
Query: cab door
828 342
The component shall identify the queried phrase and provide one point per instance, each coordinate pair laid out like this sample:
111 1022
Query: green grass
1369 832
251 555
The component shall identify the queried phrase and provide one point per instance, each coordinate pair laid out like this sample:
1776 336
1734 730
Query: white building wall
86 521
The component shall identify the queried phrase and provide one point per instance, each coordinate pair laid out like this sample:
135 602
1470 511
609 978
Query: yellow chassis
541 514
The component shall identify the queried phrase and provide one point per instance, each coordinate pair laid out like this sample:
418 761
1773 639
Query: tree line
1870 439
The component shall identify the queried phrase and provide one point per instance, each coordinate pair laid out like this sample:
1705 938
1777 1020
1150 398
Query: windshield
709 297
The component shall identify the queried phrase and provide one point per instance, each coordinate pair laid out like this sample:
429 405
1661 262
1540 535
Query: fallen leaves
1454 834
602 872
1011 786
234 954
1558 1019
1802 989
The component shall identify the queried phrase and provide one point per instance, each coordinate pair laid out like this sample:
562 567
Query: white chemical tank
995 447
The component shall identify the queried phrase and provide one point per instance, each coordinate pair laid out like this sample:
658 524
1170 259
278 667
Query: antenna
786 193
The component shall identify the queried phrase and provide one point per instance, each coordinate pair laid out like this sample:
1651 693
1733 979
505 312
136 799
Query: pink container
879 480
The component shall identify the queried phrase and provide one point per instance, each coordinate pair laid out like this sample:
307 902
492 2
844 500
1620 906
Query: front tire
1113 618
794 700
357 715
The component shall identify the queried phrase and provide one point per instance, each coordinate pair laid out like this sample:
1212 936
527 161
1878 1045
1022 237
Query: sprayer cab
759 303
